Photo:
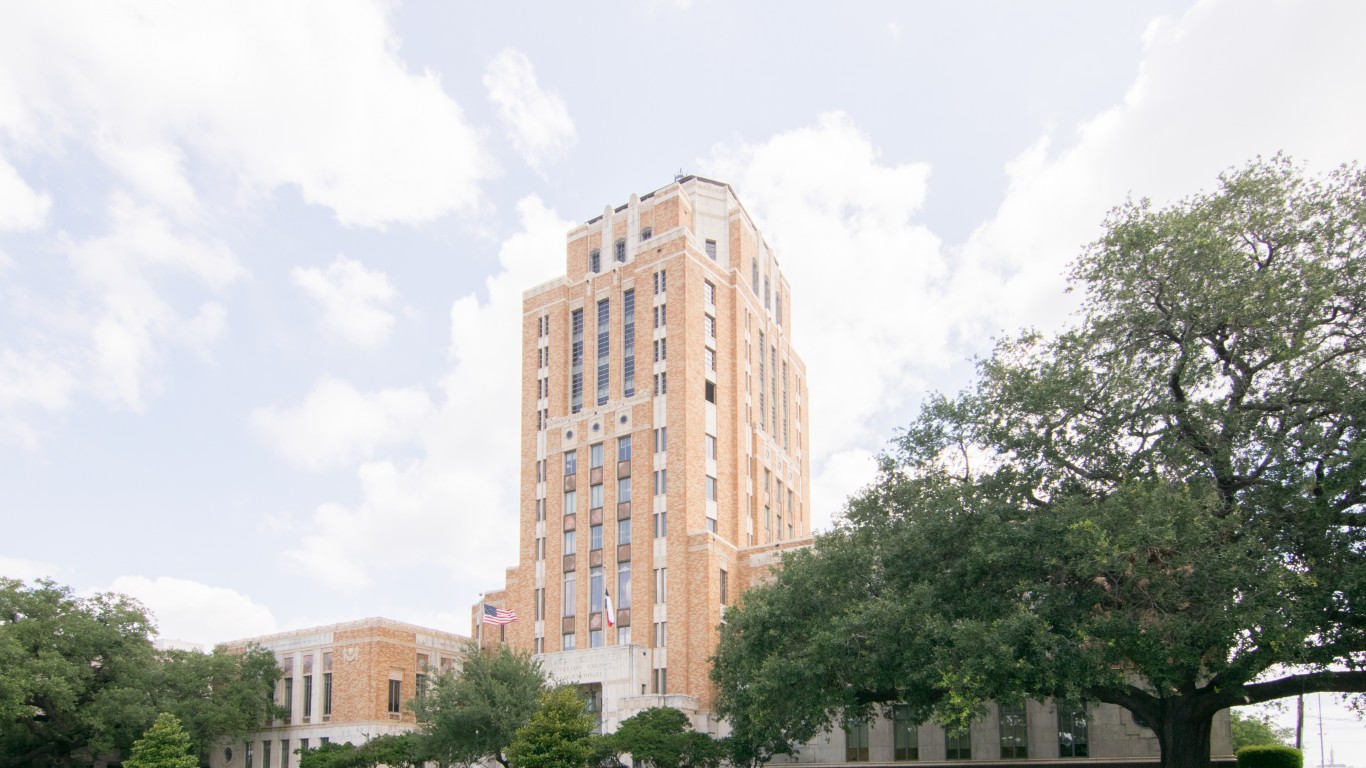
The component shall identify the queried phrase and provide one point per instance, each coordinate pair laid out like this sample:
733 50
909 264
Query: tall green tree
80 678
165 745
471 714
1251 729
558 735
1161 508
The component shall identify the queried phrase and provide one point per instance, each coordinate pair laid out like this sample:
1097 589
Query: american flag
499 616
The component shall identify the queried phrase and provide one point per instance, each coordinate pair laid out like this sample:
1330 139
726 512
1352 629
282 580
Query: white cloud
195 612
867 280
454 503
536 119
336 425
27 570
271 93
21 208
350 298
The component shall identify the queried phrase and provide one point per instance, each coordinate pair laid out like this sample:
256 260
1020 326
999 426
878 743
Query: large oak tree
1161 508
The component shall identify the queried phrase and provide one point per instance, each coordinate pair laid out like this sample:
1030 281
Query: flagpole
480 631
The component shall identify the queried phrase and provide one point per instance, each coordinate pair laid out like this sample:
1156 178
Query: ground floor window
1073 739
856 742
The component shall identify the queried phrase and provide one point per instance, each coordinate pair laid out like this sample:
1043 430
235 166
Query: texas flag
608 610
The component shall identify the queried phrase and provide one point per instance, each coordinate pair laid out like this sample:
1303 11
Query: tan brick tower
664 442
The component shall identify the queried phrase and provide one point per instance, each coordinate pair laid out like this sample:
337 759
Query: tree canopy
80 678
473 713
165 745
558 735
1253 728
662 737
1159 508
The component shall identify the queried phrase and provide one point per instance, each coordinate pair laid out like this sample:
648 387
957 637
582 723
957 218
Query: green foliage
558 735
331 755
473 713
1154 509
662 737
1270 756
404 750
79 677
165 745
1252 729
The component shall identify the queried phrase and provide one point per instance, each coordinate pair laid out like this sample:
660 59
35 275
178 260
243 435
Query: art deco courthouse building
664 441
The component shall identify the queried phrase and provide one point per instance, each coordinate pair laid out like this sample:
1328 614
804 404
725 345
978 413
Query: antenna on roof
680 175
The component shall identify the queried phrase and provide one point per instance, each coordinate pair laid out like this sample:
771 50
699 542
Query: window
538 645
856 742
595 588
567 641
778 305
628 343
724 584
395 696
754 274
711 488
620 249
661 350
623 635
595 537
576 362
905 738
660 679
623 534
661 584
661 383
624 448
709 390
540 604
595 456
624 584
661 282
595 496
623 489
958 744
763 383
249 755
661 439
595 638
604 349
540 509
708 292
661 524
711 525
1073 733
303 745
570 542
289 699
595 261
709 358
570 595
1014 734
661 634
571 502
571 462
711 249
327 694
766 291
786 445
308 697
661 482
661 315
709 326
710 442
284 753
646 233
265 754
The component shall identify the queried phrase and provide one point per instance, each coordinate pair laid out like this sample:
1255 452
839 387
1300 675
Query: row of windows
1073 736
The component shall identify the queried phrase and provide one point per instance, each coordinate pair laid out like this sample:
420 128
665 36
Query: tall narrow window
711 488
661 525
786 445
754 274
595 496
595 537
540 604
595 261
661 282
856 742
778 305
576 362
623 532
289 699
569 595
711 249
709 326
567 641
905 738
661 482
624 448
958 744
725 586
773 374
708 292
1073 734
710 442
571 462
623 599
595 456
766 291
661 634
395 696
570 542
604 350
1014 734
620 247
763 383
623 489
628 343
308 697
661 585
661 439
327 685
571 502
595 585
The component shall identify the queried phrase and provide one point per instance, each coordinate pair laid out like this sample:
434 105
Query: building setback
341 683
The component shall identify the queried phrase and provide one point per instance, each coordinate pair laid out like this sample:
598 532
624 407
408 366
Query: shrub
1270 756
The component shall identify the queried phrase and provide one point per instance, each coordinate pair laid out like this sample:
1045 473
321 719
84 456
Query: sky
261 263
